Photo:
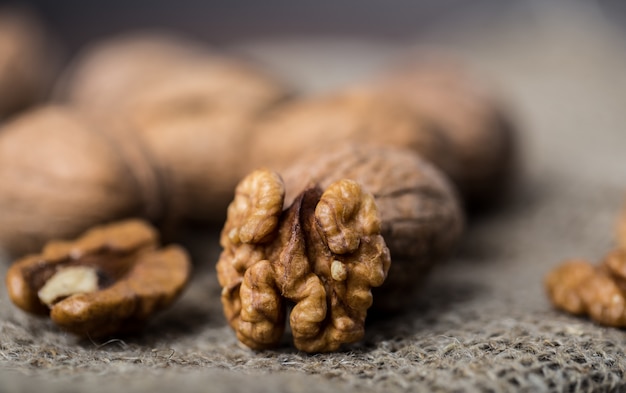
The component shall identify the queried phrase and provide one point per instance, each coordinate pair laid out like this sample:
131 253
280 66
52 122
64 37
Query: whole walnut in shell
299 126
28 59
163 71
59 176
421 218
482 154
190 106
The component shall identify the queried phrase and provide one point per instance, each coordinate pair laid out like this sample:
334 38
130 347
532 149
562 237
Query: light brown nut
599 292
110 280
603 300
482 155
299 126
164 73
421 218
324 254
59 177
563 285
191 107
198 150
28 59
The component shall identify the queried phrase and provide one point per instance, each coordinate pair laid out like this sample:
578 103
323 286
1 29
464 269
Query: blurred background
226 21
560 63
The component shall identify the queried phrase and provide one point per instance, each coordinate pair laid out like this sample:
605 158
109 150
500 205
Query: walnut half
110 280
597 291
322 254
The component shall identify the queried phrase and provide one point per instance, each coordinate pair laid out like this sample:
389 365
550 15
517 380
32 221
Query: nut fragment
324 253
421 218
600 292
68 281
110 280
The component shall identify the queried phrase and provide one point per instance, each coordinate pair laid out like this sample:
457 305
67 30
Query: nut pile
162 128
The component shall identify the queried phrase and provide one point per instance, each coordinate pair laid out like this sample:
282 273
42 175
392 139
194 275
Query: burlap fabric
482 322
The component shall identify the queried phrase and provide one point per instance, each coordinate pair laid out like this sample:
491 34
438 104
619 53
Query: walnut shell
199 152
421 218
156 72
482 156
27 59
296 127
190 106
59 177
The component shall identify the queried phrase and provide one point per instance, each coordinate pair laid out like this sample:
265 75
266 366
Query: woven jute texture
482 322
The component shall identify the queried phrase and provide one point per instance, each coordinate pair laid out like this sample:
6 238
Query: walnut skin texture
597 291
323 253
421 218
59 177
477 130
135 279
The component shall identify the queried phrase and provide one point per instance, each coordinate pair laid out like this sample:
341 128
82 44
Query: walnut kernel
597 291
323 252
110 280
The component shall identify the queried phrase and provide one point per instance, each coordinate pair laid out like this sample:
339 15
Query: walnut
600 292
190 107
421 218
163 71
563 285
323 253
59 177
478 132
357 115
110 280
28 59
197 150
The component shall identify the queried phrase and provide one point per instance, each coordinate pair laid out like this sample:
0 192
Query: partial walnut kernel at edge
597 291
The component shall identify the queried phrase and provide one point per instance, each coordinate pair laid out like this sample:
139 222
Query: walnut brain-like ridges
324 253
